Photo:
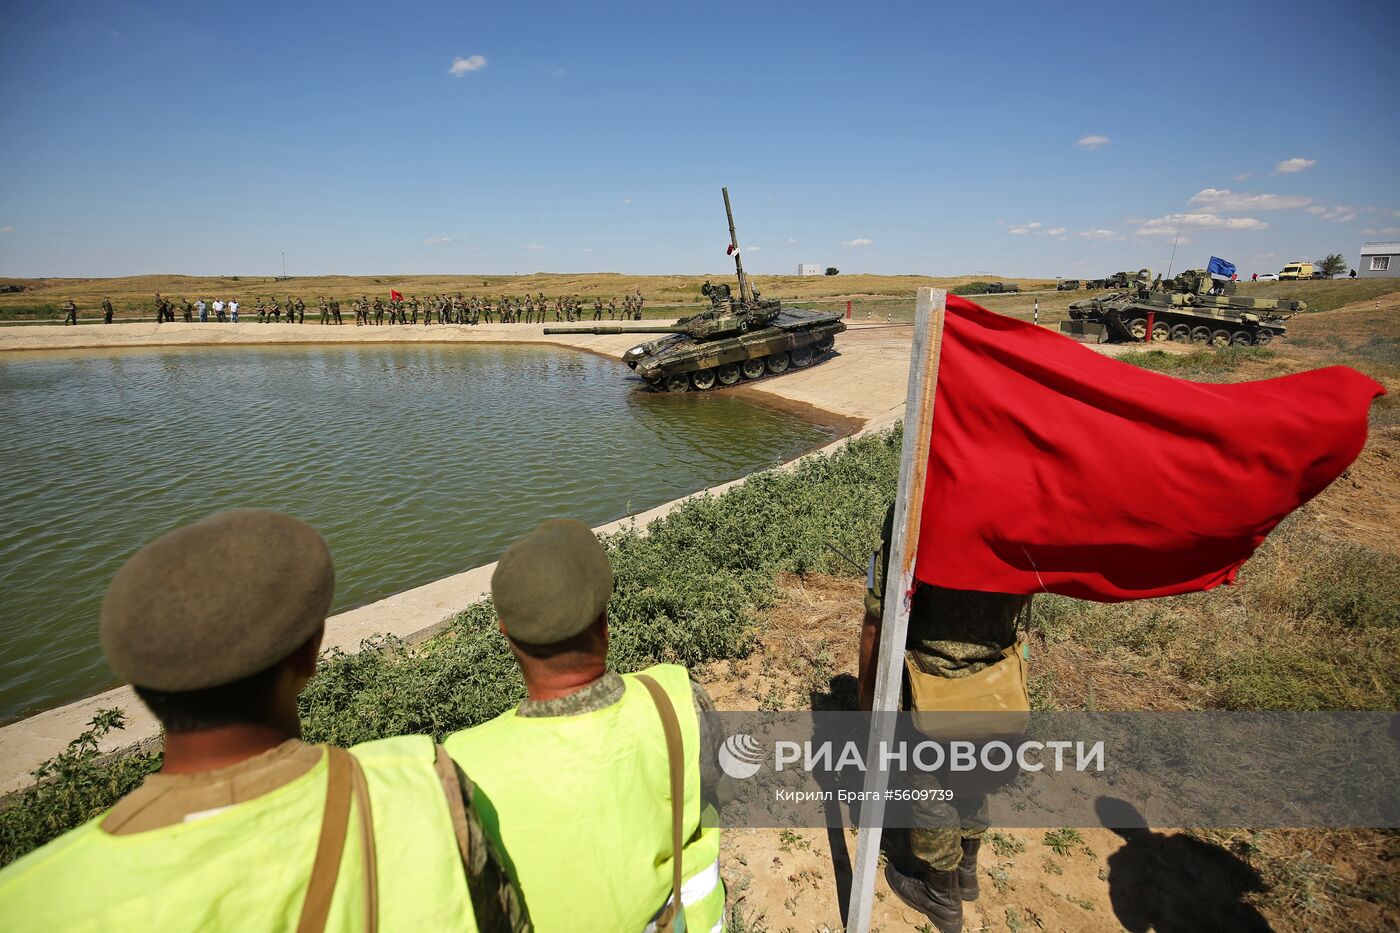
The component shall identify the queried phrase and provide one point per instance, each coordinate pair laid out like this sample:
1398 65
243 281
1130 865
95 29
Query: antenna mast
745 294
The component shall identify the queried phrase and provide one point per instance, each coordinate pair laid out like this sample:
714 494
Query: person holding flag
1025 423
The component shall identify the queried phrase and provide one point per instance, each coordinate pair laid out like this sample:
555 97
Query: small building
806 268
1380 260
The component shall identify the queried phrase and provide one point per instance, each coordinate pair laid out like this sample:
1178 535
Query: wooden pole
899 582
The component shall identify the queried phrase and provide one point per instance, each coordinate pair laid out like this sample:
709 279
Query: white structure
806 268
1379 260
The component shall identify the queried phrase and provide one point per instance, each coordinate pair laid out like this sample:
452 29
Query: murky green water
415 462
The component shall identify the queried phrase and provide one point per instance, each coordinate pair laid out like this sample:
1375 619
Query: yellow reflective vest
580 807
247 867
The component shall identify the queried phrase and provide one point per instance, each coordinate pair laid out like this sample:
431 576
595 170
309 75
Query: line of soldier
457 309
440 309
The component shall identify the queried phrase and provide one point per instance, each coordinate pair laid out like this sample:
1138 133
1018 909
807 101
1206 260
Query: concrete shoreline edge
418 613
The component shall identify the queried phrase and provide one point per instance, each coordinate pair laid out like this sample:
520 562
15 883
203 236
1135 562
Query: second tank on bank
1189 308
735 339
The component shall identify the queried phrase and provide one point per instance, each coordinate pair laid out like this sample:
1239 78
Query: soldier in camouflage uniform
107 310
335 310
952 633
325 311
70 313
274 312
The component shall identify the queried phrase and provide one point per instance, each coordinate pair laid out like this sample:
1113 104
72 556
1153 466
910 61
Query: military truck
1002 288
736 339
1067 285
1190 308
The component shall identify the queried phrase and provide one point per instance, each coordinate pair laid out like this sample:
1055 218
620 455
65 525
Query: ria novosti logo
740 756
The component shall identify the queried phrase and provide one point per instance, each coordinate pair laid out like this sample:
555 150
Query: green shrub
72 788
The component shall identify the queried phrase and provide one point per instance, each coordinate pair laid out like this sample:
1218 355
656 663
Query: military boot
967 869
935 896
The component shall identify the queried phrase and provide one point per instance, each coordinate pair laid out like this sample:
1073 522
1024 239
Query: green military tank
737 339
1189 308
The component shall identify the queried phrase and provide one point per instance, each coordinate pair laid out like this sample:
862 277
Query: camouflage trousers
936 843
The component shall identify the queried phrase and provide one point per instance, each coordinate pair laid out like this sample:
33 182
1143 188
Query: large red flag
394 295
1055 468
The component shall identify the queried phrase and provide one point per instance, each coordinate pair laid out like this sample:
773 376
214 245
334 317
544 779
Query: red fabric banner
394 295
1054 468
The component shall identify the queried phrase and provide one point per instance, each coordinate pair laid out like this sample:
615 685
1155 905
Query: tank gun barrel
615 330
745 293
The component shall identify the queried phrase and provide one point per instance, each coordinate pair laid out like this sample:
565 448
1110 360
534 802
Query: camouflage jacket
952 633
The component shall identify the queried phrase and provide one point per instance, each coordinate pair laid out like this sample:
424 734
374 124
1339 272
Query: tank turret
736 338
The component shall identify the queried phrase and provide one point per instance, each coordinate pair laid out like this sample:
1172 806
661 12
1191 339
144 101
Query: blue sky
1012 138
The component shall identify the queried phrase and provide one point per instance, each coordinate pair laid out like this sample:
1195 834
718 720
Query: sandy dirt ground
1164 880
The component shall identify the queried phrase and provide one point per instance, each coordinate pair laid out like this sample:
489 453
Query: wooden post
899 582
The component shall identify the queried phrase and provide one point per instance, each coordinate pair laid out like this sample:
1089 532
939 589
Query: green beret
552 584
216 601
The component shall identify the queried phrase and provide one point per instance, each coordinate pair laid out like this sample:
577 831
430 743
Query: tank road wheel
677 382
753 368
1263 337
826 343
728 374
1200 335
1161 330
703 379
777 363
1219 338
1181 333
801 356
1138 328
1241 338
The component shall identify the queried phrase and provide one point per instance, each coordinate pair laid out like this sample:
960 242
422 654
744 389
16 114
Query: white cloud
1056 231
792 239
1383 231
753 249
7 229
858 241
1171 223
626 200
1339 213
462 66
1242 176
1092 142
534 247
436 240
1019 231
1289 166
1097 234
558 72
1223 200
589 249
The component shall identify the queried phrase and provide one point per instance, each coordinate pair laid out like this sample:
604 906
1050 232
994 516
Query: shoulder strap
335 820
344 779
675 758
446 770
